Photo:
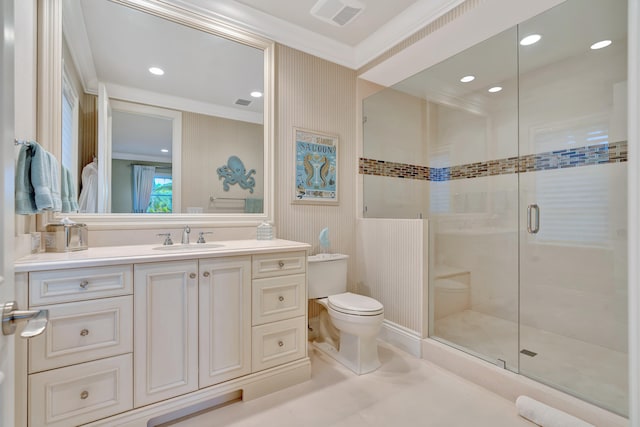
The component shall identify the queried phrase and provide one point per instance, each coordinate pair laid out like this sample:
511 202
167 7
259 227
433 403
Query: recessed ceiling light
530 39
164 150
256 94
157 71
600 44
467 79
495 89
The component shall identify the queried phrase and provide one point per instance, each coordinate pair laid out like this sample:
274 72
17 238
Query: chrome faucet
185 235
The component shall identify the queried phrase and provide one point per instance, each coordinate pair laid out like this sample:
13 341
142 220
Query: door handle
533 218
36 320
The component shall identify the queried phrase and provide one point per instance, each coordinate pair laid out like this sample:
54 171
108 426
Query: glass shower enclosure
519 163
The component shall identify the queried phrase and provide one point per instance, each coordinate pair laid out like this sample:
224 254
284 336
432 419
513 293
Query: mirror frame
49 133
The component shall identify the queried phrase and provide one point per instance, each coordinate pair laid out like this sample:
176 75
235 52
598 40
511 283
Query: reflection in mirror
177 104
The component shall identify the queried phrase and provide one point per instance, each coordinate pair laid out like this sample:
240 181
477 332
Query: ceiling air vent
243 102
337 12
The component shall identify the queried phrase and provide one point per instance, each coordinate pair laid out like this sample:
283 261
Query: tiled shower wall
567 158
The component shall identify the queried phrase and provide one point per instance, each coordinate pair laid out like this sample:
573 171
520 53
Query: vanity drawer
83 331
276 343
278 298
270 265
56 286
81 393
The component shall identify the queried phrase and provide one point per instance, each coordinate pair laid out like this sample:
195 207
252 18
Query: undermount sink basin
189 247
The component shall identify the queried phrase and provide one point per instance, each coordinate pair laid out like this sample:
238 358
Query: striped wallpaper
315 94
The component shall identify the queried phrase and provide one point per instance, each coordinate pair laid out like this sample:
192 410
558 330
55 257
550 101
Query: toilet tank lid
354 303
326 257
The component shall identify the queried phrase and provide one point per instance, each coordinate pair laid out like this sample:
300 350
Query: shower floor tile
405 391
589 371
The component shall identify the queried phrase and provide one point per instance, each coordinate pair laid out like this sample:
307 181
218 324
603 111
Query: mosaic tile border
568 158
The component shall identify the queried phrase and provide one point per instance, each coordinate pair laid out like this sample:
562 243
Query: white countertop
112 255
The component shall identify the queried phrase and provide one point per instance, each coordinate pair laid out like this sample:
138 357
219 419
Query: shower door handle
533 218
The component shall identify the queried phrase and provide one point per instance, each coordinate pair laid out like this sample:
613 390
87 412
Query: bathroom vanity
153 333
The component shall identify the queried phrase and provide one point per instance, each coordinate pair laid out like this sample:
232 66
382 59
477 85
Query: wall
402 140
25 101
205 155
315 94
392 268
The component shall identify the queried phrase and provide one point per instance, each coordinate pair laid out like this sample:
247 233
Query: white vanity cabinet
279 303
225 319
163 335
81 368
165 327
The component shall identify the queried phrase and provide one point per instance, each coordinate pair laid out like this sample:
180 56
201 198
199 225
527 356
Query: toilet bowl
350 323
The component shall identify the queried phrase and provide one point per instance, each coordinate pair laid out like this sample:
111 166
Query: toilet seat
359 305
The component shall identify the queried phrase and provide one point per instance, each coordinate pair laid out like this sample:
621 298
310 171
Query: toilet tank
326 275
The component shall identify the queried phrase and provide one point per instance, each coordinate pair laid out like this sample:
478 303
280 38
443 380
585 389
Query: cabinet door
225 319
165 325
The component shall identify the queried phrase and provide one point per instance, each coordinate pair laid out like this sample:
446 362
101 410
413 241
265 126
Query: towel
25 196
37 181
253 205
45 178
546 416
68 192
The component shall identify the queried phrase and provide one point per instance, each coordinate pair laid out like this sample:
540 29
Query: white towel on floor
545 415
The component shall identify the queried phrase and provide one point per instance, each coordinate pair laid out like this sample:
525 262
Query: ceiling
381 25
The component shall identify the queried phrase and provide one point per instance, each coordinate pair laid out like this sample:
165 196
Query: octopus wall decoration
234 172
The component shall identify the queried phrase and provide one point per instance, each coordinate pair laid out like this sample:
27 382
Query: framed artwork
316 177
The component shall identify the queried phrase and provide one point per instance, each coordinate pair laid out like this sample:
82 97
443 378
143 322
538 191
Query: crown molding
404 25
273 28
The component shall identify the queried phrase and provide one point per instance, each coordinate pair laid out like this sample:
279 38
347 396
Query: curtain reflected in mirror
143 185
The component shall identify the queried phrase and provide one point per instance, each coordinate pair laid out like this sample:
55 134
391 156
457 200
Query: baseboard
510 385
401 337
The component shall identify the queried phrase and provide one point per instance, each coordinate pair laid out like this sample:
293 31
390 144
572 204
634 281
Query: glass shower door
471 138
573 148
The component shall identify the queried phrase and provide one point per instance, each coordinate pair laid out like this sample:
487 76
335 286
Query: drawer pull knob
280 298
280 343
84 332
206 274
280 264
192 275
84 284
84 395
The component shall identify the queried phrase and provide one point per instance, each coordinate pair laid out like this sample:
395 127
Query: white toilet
350 325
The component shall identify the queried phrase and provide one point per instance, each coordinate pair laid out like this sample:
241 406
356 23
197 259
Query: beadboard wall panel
392 267
315 94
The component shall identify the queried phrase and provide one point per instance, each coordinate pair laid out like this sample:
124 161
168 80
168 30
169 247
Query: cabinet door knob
84 284
192 275
280 343
280 298
206 274
84 332
84 394
280 264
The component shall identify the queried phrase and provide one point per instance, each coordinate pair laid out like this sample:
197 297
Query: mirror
181 128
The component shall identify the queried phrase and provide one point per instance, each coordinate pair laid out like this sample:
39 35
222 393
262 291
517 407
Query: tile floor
405 391
590 371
